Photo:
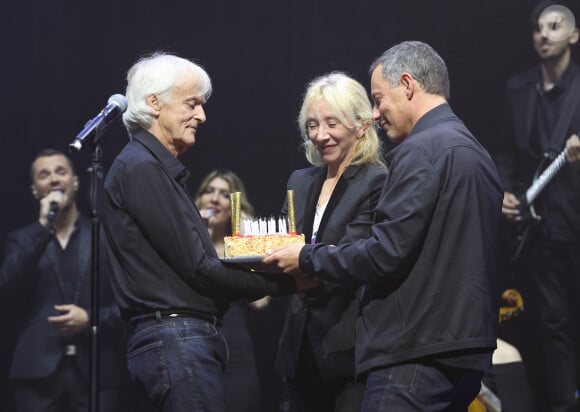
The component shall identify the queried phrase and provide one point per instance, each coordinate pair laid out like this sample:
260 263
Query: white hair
158 74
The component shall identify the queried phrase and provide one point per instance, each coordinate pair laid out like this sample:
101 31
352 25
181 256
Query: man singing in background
47 264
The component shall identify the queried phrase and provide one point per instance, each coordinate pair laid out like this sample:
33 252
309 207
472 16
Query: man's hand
573 146
510 207
285 258
55 196
73 320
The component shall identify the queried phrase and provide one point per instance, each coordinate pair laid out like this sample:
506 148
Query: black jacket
30 269
430 263
326 316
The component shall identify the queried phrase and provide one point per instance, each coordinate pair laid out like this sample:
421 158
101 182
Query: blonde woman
334 203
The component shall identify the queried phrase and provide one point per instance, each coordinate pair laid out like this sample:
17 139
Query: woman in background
334 203
242 388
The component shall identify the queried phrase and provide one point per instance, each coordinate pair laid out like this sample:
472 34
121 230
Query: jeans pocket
430 385
147 366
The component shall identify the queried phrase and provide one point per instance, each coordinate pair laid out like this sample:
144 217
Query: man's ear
153 102
408 83
574 37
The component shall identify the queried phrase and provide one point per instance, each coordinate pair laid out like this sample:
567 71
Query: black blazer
30 271
327 315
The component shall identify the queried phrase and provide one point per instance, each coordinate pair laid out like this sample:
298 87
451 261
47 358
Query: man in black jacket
428 318
47 265
170 286
540 101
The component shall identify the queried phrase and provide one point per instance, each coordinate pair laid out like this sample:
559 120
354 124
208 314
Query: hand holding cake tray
252 238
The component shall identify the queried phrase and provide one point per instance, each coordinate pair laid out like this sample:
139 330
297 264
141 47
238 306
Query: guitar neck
547 175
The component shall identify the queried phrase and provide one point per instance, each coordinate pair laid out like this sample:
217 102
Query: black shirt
555 211
549 105
161 251
69 266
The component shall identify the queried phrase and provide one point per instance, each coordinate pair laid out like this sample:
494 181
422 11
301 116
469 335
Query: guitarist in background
536 104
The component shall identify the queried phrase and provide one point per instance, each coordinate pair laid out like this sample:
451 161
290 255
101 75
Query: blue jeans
179 362
421 387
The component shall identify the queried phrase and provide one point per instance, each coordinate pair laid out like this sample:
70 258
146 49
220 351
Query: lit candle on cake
291 218
235 212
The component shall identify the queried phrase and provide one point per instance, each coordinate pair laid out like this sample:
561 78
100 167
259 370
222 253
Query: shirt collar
176 169
432 117
562 84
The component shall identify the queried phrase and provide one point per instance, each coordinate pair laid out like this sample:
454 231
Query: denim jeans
179 362
421 387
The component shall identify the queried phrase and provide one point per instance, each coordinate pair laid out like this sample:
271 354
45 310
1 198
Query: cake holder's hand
285 258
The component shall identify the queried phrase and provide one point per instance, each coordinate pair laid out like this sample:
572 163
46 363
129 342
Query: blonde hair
349 102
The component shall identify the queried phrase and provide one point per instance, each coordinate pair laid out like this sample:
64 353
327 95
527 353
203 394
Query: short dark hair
50 152
421 61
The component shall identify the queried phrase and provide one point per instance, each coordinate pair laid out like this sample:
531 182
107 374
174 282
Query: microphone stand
117 104
96 175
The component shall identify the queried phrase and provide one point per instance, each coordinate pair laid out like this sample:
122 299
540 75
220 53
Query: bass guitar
527 209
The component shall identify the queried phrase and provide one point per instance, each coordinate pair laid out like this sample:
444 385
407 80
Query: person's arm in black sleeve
21 257
402 217
173 229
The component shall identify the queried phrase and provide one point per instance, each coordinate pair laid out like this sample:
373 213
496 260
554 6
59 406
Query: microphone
52 211
116 105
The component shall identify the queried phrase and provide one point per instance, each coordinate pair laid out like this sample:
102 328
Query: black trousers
550 276
66 390
309 392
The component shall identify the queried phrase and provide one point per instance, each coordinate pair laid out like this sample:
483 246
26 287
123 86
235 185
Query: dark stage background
61 60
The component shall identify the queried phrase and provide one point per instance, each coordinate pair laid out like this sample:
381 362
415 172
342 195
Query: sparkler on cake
253 237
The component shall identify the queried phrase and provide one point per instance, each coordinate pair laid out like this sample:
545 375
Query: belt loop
158 316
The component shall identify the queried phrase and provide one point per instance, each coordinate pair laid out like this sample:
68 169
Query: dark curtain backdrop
61 60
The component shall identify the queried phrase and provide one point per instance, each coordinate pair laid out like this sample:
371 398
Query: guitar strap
563 123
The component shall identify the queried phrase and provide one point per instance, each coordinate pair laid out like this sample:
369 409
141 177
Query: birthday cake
256 236
250 245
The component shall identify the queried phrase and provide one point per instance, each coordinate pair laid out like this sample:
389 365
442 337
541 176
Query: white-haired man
170 286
